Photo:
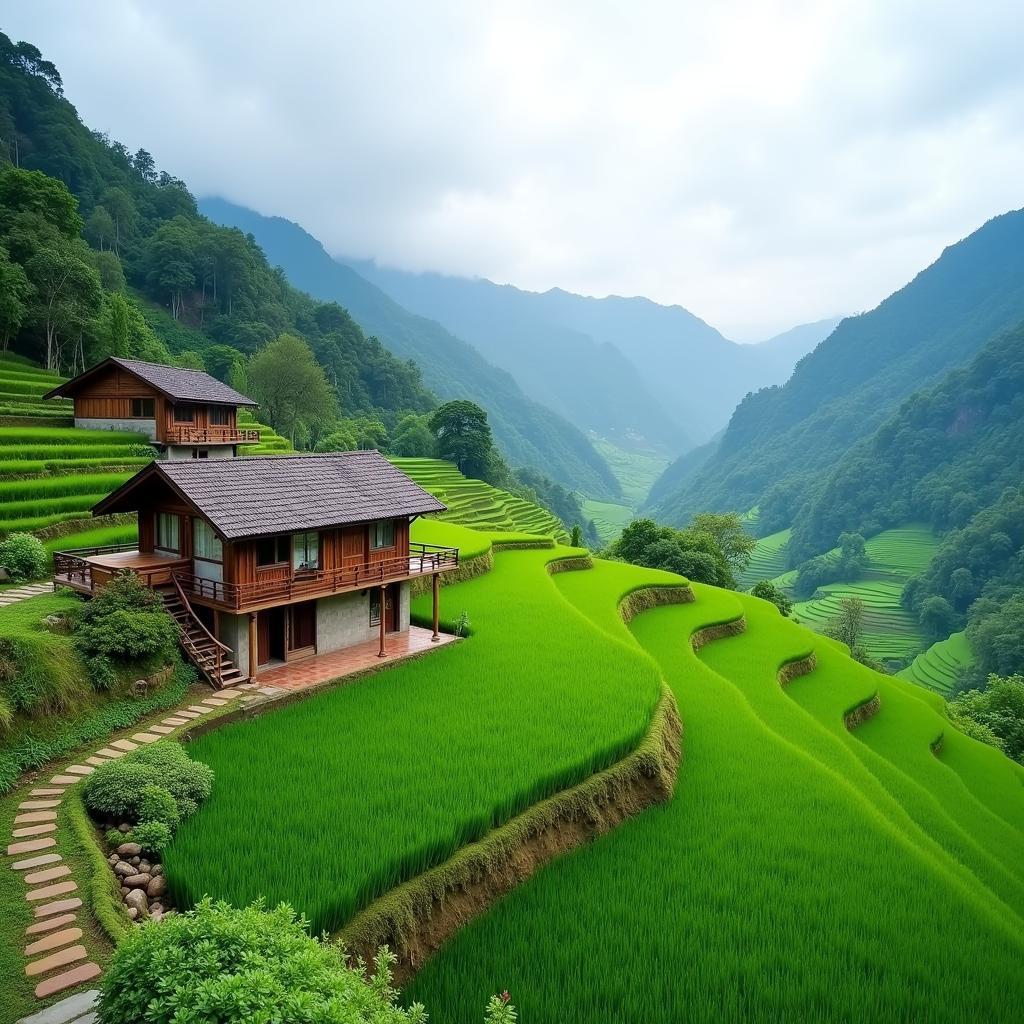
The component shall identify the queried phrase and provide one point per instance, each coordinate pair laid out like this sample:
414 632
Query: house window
167 532
205 543
184 413
272 551
219 416
200 453
382 534
375 606
306 551
143 408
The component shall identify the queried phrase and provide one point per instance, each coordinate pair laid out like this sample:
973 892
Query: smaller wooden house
186 414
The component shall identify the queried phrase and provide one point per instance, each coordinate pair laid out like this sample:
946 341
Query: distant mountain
528 433
661 372
553 362
794 344
782 442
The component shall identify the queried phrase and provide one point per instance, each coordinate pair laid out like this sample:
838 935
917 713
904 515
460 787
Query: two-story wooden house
264 560
186 414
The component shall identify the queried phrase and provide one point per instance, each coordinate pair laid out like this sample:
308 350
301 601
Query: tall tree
15 293
463 436
68 293
290 385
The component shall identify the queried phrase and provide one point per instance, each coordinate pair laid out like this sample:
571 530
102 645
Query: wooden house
261 560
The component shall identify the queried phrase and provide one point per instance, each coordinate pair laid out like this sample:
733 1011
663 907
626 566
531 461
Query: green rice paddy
478 504
367 785
940 665
767 560
802 872
609 518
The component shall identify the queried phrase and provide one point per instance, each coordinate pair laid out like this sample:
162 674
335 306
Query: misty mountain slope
949 451
592 383
794 344
782 441
526 431
678 364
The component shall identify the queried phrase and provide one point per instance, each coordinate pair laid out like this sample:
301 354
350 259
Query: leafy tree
100 228
68 293
576 538
848 625
729 535
108 267
122 210
463 436
170 257
32 192
768 591
190 360
694 554
996 635
413 437
23 557
937 618
290 385
998 708
15 294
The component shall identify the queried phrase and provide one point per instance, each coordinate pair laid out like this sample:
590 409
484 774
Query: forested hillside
527 432
949 451
783 440
695 375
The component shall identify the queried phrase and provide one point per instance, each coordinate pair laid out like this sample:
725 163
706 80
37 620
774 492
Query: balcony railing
76 569
423 559
184 434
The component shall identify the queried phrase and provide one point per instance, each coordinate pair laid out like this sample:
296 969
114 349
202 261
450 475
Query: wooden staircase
203 649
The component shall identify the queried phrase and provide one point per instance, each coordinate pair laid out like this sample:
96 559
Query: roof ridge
167 366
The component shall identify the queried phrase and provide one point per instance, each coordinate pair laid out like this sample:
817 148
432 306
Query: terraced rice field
635 470
890 632
421 758
271 443
22 386
767 560
609 518
939 667
478 504
802 872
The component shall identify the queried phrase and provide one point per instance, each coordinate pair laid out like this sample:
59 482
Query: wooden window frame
179 409
157 546
319 552
276 540
203 558
142 403
374 546
220 416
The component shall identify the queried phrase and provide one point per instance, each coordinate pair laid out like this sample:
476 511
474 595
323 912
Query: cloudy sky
763 164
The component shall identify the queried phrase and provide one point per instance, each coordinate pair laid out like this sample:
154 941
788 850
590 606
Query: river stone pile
143 885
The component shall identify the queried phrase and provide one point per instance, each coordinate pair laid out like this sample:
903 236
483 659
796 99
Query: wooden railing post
383 616
436 587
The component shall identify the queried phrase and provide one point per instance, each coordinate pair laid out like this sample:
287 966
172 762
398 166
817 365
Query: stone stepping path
23 592
53 950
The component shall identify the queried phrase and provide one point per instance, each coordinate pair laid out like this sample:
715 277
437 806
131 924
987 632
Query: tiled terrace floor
323 667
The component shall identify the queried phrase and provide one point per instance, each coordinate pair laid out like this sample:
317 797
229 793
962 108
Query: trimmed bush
218 964
24 557
152 836
157 804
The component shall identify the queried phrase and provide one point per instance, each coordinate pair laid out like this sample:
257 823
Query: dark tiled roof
259 495
183 385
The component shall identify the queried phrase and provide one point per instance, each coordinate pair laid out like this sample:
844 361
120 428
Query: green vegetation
998 709
767 560
440 775
479 505
636 470
609 518
941 665
23 557
787 833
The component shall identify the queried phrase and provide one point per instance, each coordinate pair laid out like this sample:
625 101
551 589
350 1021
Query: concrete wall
147 427
234 631
342 621
180 452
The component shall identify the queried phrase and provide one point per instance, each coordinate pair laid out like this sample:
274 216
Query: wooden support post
383 616
253 651
436 584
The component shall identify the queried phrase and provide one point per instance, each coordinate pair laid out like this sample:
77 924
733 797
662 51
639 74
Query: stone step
38 805
31 845
46 791
163 730
65 780
47 875
58 983
54 961
37 862
67 1011
31 817
96 760
109 752
125 745
186 714
48 892
58 907
175 721
48 924
34 830
53 941
79 769
145 737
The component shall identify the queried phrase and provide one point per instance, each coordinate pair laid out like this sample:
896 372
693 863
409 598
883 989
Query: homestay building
266 560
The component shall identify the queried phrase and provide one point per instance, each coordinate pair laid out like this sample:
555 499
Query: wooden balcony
89 569
183 433
305 585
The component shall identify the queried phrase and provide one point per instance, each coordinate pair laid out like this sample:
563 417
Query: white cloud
761 163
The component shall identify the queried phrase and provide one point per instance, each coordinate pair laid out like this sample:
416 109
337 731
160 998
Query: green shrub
159 782
157 804
23 556
124 627
152 836
220 964
768 591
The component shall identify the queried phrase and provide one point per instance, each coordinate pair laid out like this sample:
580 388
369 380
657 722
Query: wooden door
302 627
269 635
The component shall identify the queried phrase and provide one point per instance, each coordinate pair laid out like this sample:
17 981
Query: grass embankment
478 505
940 665
801 873
420 759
